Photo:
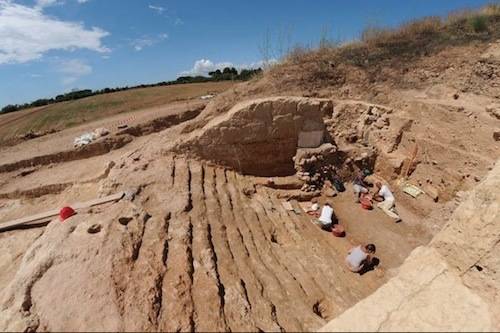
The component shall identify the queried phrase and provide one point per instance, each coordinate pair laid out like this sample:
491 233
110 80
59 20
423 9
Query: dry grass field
67 114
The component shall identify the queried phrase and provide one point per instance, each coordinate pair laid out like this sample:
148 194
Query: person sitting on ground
360 186
387 204
325 219
359 258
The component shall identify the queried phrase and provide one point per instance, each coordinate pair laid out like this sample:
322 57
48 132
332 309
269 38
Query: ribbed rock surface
192 252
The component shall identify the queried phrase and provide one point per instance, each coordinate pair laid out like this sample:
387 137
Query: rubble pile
314 166
320 167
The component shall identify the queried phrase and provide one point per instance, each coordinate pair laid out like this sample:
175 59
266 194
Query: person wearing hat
360 185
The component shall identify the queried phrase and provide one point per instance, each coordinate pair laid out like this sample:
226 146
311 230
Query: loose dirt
206 244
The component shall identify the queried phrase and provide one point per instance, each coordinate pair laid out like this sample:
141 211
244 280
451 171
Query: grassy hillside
381 48
67 114
418 54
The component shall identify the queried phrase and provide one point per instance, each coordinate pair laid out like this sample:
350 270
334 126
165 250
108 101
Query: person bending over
359 258
325 219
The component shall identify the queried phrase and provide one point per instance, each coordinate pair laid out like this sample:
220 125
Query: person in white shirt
359 258
325 219
387 205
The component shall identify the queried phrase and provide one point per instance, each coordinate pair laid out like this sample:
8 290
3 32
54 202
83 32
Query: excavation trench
203 247
104 145
283 151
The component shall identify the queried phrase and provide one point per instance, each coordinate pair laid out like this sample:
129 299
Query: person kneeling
359 258
387 204
360 186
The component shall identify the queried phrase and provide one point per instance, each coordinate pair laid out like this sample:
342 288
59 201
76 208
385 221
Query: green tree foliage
10 108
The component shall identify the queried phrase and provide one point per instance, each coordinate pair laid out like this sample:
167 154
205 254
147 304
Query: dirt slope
206 244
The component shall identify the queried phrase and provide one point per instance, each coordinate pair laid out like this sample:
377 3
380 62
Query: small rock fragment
94 229
124 220
432 192
249 191
494 111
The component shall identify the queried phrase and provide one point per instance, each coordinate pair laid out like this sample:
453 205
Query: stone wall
260 137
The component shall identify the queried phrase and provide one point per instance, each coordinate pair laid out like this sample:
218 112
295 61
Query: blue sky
52 46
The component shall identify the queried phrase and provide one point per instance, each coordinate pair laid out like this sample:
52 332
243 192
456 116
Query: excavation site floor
196 244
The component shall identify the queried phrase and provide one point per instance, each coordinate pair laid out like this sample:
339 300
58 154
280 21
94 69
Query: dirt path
64 140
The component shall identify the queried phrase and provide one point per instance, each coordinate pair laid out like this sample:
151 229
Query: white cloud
157 9
257 64
140 43
167 13
46 3
40 4
27 33
204 66
73 69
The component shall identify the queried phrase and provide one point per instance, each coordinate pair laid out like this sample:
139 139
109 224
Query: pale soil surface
450 285
206 243
64 140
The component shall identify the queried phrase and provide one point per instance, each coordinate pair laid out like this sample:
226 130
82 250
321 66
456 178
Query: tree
216 75
9 108
229 73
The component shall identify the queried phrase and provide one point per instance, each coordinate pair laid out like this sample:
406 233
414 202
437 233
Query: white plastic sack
84 139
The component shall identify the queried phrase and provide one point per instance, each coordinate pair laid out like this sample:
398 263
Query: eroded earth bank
203 242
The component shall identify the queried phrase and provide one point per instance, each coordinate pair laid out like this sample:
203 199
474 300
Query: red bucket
366 202
338 230
65 213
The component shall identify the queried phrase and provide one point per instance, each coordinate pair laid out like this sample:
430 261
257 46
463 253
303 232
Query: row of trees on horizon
228 73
